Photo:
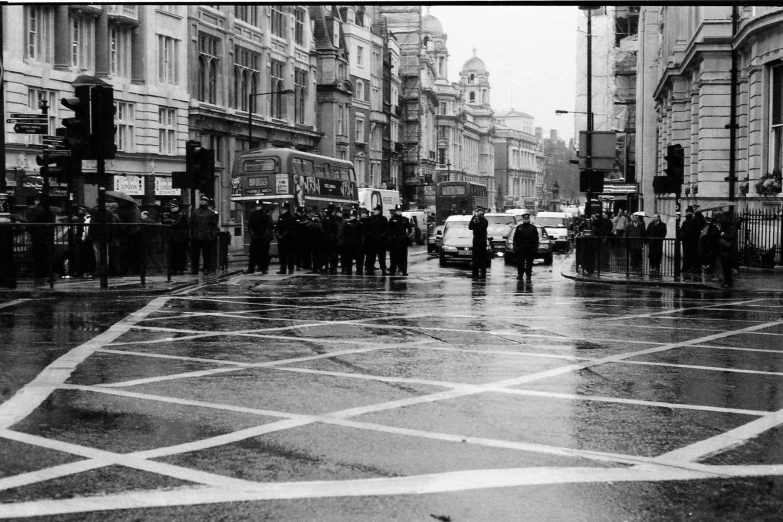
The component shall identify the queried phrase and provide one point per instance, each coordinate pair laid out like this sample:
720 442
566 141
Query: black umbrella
120 196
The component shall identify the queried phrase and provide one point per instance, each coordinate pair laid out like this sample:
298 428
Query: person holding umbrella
656 232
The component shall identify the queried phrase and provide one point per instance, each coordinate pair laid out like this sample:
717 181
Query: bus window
332 171
260 165
352 174
320 170
345 174
303 167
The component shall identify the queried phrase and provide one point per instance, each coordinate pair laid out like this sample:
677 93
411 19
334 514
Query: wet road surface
366 398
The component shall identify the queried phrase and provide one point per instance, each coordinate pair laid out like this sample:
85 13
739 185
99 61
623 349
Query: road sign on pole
31 128
18 116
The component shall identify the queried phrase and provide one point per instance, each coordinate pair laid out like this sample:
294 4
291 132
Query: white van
517 212
419 221
369 198
558 227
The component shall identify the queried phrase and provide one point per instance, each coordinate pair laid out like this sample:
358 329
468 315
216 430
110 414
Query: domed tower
434 41
474 80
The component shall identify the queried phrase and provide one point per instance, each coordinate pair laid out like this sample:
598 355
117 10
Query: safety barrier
629 256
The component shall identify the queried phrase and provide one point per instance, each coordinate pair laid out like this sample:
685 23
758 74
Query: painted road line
507 352
707 368
737 348
31 395
34 477
13 303
679 310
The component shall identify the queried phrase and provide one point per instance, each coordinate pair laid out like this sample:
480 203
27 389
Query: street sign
18 116
53 139
31 128
57 152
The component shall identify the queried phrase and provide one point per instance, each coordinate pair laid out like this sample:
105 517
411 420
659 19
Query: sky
529 51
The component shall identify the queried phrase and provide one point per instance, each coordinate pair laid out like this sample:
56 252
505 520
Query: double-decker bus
458 197
274 176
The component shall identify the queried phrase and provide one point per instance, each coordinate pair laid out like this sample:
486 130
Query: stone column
139 49
102 44
62 38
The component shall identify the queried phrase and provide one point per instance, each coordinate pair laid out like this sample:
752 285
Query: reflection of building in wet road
378 398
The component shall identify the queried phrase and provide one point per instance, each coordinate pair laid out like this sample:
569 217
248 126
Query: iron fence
69 250
629 256
760 238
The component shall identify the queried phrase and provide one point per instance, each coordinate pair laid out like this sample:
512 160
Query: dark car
544 246
500 226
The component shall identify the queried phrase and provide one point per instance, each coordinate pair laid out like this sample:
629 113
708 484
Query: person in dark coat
316 238
42 237
330 239
261 228
399 229
634 235
708 245
302 249
286 239
525 243
353 244
479 224
690 231
376 235
178 226
339 243
204 230
727 247
129 254
656 232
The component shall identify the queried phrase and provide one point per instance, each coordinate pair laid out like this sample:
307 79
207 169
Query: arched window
484 96
359 92
472 97
207 68
471 78
440 66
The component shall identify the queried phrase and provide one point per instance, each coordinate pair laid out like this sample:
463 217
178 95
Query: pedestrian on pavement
41 236
286 239
727 248
399 230
129 236
353 244
525 243
204 230
87 256
376 237
261 228
303 261
619 224
94 235
329 221
708 245
178 225
634 235
690 232
316 238
656 232
479 224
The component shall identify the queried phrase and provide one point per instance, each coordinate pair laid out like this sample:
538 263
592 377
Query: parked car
435 239
558 227
499 227
457 245
544 246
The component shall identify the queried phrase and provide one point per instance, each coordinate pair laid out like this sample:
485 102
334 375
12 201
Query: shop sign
131 185
163 187
282 183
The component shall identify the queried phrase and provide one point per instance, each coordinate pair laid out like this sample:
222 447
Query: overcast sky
529 51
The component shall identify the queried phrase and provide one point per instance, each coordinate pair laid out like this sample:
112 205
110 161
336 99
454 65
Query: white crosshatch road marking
679 464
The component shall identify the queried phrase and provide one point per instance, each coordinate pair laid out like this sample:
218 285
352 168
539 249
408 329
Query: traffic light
591 181
663 185
675 164
80 126
200 166
54 167
103 128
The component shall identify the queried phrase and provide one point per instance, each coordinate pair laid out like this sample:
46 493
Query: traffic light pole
103 257
677 238
589 155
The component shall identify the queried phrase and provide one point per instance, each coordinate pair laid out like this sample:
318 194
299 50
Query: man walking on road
479 224
525 247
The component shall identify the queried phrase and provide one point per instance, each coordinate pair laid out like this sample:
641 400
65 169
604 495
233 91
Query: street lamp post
448 166
589 144
250 111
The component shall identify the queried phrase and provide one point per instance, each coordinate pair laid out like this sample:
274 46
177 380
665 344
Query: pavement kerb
666 284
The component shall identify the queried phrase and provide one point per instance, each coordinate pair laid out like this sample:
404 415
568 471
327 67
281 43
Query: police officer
399 230
376 232
330 244
479 224
339 248
203 233
316 239
353 234
261 228
302 249
286 239
525 246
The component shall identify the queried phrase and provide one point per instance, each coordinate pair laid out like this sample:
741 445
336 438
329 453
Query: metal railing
628 256
760 238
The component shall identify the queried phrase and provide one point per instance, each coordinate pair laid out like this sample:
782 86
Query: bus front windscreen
453 190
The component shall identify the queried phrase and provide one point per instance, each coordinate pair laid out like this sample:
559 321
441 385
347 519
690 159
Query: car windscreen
551 221
500 220
457 229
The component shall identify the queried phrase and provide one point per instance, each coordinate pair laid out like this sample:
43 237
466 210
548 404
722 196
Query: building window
359 92
278 21
247 14
377 64
207 68
359 130
120 51
126 139
341 120
40 33
276 84
472 97
375 174
34 99
247 76
167 60
394 131
776 119
442 156
377 138
471 78
376 100
442 108
300 101
340 71
358 162
82 41
360 56
299 21
167 133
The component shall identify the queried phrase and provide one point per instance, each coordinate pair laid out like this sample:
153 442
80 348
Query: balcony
123 13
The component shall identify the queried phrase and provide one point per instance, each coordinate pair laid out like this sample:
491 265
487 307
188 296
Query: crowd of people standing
348 239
